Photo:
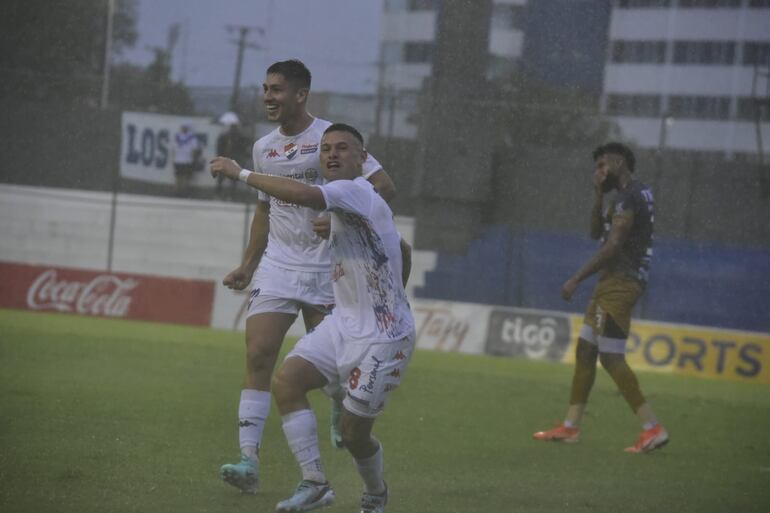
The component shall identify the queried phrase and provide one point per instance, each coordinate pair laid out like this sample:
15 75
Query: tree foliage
53 52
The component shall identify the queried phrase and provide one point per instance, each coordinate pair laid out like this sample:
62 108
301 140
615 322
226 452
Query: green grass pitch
114 416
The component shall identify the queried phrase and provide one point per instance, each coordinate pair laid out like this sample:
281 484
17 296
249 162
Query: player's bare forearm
597 262
621 226
279 187
260 227
406 261
289 190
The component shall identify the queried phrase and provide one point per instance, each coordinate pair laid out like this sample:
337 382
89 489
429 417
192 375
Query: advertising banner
528 334
450 326
146 147
116 295
695 351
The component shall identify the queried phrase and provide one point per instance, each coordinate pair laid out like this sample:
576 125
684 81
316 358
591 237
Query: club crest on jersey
290 150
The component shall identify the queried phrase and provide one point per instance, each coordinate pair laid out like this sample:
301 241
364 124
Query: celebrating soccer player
289 256
366 342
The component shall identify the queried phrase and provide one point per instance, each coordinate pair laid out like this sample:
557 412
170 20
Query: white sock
574 415
252 413
371 471
646 416
301 432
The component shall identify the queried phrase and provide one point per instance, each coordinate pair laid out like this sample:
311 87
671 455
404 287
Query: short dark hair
617 148
293 71
342 127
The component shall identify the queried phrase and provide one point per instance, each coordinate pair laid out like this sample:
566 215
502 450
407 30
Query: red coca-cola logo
100 294
104 294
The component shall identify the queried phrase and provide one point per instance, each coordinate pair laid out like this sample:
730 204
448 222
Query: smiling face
283 100
342 156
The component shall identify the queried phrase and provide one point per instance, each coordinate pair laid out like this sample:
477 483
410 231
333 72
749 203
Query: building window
639 52
748 108
756 53
704 52
709 4
699 107
421 5
508 17
635 105
418 52
395 5
635 4
392 52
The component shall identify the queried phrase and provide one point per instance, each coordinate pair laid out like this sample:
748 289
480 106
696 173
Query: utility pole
242 43
761 110
104 99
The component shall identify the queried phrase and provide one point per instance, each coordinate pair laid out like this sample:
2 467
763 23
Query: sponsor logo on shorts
308 148
253 294
400 355
369 386
396 373
537 337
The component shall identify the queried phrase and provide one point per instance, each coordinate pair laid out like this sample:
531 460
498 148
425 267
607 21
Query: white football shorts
281 290
368 372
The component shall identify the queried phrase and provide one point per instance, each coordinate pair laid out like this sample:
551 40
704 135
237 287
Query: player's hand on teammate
224 166
569 288
237 279
322 226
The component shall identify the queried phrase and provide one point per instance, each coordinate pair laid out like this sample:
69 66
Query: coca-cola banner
126 296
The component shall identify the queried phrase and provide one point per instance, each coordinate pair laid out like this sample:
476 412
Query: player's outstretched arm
383 184
282 188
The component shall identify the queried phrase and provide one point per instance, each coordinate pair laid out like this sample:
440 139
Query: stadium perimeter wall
170 255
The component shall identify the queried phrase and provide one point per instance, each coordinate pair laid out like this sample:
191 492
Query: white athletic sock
574 415
252 413
646 416
301 432
371 471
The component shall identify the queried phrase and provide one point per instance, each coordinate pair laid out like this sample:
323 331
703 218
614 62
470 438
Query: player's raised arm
282 188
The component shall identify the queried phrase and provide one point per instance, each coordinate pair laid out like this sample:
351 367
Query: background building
407 51
687 74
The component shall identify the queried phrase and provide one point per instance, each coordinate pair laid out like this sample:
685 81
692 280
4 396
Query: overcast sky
337 39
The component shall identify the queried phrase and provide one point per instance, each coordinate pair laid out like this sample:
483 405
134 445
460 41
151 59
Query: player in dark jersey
623 260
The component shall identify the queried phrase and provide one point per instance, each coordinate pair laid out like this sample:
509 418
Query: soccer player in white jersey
366 342
291 260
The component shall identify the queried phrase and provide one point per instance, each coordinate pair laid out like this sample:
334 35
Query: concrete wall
156 236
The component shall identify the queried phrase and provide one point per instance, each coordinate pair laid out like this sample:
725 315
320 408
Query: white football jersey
291 243
370 302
